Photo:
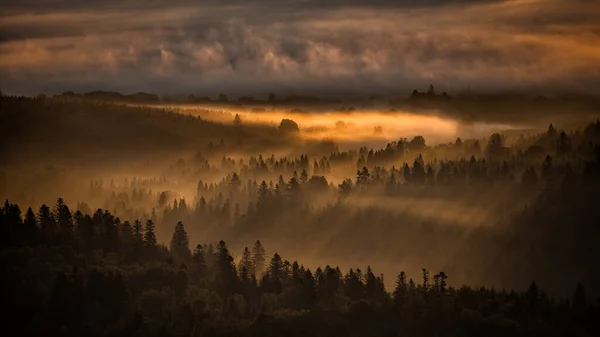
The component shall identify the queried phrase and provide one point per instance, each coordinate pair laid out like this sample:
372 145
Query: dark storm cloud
318 47
48 5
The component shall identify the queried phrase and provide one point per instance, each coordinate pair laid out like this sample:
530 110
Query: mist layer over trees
132 220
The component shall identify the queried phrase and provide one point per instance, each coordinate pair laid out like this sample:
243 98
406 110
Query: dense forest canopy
130 219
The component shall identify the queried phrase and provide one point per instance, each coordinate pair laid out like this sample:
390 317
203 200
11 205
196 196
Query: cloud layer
307 47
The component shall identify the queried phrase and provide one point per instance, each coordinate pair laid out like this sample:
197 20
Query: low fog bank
350 128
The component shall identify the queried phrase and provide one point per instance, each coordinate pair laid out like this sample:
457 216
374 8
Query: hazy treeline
465 105
530 212
468 106
221 98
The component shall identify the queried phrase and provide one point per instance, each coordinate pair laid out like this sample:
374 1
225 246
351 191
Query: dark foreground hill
66 274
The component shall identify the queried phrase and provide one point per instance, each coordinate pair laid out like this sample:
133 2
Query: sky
314 47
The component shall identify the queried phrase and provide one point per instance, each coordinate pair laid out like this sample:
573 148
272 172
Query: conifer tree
304 176
30 225
63 216
425 279
180 245
258 257
150 241
199 264
224 269
126 235
401 286
46 220
246 265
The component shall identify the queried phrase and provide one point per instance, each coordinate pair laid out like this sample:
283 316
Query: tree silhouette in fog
258 258
288 126
180 246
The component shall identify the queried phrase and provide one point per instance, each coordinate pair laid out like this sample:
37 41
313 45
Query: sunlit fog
300 168
351 128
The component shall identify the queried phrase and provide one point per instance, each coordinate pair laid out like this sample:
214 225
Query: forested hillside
70 127
179 225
